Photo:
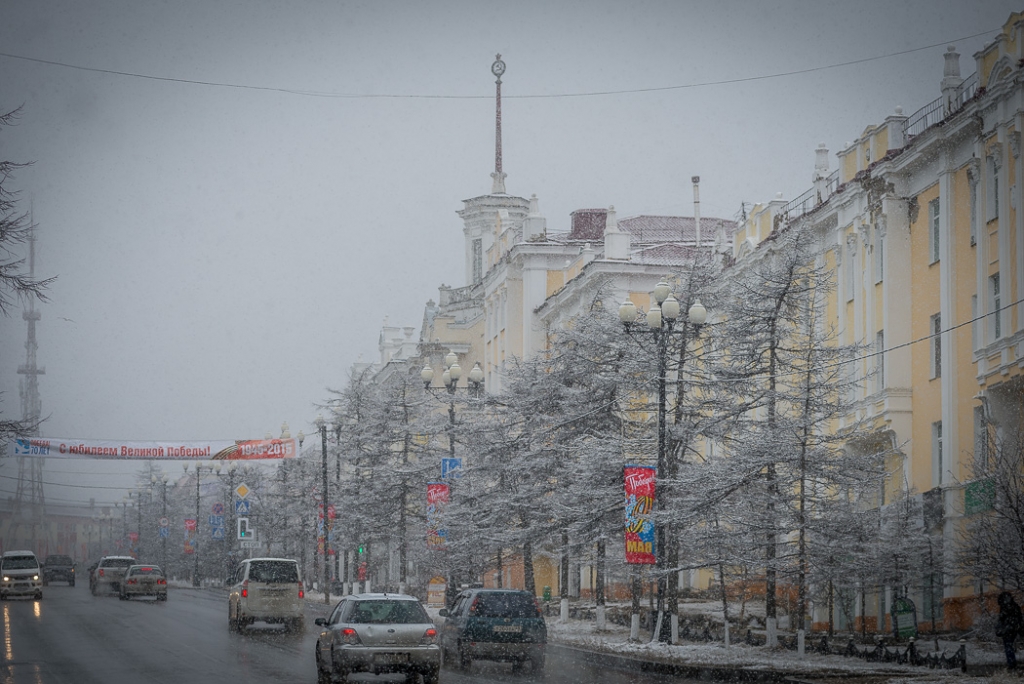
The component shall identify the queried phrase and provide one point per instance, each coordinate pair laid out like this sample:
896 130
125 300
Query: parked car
377 633
106 578
143 580
494 624
20 575
266 590
58 568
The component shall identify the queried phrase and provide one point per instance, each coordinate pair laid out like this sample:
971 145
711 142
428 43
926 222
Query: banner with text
639 484
216 450
437 497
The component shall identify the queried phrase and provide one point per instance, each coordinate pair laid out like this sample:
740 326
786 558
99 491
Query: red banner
437 498
639 485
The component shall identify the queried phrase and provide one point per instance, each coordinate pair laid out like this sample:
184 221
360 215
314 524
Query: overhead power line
436 96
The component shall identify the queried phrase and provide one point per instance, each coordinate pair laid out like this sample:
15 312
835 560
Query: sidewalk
742 662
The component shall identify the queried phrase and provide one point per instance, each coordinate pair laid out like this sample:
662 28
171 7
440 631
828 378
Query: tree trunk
528 578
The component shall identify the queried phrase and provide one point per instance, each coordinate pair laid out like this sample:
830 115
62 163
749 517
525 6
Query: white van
20 575
266 590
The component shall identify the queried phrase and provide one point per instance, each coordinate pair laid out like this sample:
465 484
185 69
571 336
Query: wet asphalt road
72 637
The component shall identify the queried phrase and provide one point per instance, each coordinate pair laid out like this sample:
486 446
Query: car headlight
6 578
35 577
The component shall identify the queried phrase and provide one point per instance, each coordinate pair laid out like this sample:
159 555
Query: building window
879 255
880 363
933 228
937 463
936 331
974 214
850 260
981 440
993 289
974 322
478 261
993 190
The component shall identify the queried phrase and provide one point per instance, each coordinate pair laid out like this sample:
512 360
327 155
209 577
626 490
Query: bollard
771 638
800 643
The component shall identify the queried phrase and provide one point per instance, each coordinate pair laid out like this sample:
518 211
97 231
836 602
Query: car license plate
390 658
508 628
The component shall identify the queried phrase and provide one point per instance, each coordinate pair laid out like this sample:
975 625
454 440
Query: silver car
106 578
377 633
143 580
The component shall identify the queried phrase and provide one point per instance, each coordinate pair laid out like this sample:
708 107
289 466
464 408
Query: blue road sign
216 521
451 468
164 532
217 532
242 507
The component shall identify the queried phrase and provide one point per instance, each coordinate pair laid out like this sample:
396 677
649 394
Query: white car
20 575
266 590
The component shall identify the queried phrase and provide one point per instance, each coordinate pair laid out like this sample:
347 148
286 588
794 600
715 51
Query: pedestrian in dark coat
1009 626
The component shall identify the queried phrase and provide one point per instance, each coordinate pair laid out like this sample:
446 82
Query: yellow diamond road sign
242 491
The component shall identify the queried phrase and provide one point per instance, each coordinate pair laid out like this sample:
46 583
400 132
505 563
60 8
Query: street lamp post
661 319
199 468
450 378
163 514
322 426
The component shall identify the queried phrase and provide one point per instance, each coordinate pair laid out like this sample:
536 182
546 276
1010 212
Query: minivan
266 590
20 575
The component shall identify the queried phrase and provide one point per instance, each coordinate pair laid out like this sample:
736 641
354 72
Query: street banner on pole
214 450
437 497
639 485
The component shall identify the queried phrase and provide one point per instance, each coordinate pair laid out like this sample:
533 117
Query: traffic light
244 531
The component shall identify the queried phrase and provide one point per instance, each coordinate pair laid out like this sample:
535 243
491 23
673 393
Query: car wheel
517 666
463 659
122 597
297 625
432 676
39 596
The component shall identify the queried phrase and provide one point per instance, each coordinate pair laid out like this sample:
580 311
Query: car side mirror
320 621
443 612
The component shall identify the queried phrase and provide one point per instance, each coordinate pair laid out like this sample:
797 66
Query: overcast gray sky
231 225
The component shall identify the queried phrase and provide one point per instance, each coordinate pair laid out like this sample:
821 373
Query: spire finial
498 185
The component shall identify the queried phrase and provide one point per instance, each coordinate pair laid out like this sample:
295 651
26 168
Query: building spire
498 177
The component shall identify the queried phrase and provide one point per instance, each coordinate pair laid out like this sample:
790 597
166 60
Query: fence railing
881 653
809 200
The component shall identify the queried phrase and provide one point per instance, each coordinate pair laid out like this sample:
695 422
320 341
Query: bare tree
16 229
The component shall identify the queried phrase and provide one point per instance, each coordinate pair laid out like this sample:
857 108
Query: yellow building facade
923 220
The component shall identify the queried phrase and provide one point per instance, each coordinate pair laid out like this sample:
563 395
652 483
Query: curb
701 672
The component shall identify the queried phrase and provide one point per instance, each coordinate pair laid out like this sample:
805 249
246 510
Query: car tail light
349 636
131 581
473 606
101 572
245 589
429 637
302 594
161 581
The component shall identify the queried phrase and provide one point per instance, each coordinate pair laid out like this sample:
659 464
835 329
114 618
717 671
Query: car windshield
146 570
118 562
20 563
384 612
58 560
273 571
504 605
